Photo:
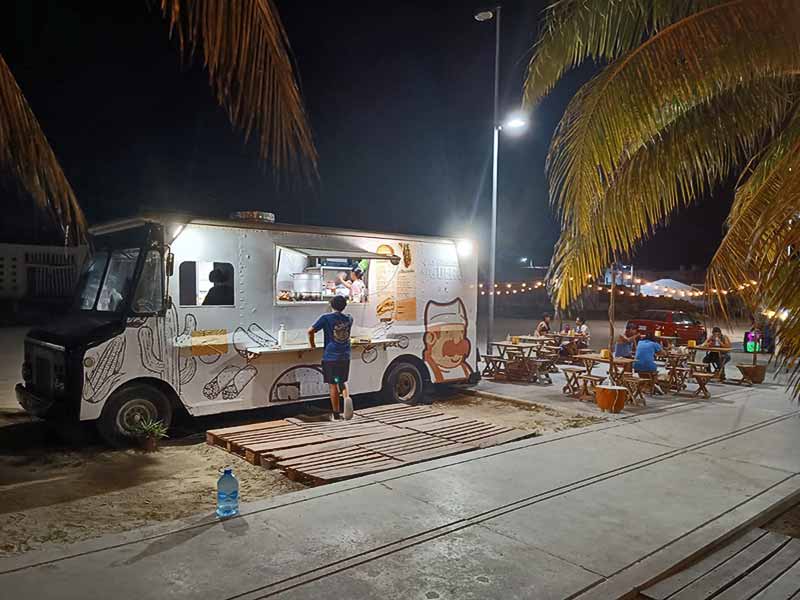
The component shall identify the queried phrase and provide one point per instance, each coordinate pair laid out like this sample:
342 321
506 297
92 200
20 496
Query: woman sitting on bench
719 340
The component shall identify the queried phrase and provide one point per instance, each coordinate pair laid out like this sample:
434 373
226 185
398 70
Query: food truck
213 315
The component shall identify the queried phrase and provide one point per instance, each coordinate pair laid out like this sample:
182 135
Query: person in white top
356 285
582 329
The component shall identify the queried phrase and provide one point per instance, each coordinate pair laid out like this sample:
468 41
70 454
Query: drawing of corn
105 372
160 352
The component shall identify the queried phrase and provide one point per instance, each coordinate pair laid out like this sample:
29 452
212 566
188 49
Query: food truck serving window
317 275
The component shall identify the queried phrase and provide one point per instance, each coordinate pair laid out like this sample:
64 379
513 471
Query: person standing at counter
357 289
336 327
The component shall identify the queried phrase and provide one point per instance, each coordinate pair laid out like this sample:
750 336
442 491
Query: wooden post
611 317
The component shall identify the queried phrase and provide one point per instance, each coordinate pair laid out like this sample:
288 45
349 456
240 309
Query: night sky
400 101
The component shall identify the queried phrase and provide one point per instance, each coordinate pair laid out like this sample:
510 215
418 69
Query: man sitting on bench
645 360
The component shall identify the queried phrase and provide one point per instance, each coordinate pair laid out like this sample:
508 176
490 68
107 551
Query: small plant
149 431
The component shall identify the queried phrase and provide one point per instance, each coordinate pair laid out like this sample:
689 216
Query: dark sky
399 95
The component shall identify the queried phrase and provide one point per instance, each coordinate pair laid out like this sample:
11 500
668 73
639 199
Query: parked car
672 323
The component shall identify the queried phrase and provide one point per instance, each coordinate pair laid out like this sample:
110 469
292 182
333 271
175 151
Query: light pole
516 122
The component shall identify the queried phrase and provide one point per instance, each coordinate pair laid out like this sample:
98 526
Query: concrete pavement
552 517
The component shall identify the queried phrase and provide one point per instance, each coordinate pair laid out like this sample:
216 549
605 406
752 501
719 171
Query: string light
515 288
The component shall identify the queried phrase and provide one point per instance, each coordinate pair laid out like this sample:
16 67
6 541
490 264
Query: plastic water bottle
227 494
281 336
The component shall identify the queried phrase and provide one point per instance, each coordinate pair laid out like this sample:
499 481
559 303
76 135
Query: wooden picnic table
534 339
591 361
720 373
560 337
525 350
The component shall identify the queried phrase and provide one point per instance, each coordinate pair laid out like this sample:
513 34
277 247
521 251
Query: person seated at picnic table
645 358
544 325
717 340
582 331
626 343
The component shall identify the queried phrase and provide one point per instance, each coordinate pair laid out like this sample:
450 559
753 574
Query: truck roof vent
258 216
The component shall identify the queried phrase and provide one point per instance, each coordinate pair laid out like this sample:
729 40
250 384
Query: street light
516 123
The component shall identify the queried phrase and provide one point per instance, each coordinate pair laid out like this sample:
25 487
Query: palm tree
690 93
246 53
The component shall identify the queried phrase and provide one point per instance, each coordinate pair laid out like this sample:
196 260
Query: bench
702 380
636 387
495 365
587 381
542 367
573 386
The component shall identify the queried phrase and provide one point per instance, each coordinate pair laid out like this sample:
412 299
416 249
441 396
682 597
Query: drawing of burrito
240 381
214 387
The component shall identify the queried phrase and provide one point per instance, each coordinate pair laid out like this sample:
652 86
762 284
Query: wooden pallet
760 565
376 439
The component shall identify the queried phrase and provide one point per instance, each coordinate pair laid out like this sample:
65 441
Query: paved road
552 517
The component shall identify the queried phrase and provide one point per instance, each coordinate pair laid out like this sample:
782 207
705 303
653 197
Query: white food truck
174 311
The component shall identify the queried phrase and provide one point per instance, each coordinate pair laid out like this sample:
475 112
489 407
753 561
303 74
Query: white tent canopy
667 287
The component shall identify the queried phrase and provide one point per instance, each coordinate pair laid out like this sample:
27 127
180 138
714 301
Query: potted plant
149 431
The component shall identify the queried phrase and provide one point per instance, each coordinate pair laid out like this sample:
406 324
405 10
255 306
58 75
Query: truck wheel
404 384
126 408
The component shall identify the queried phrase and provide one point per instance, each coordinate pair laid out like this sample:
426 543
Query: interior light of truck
464 248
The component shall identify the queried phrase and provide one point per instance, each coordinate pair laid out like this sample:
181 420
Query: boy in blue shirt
336 356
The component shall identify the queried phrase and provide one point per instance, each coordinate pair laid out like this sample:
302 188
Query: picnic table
534 339
504 348
719 373
560 337
591 361
520 361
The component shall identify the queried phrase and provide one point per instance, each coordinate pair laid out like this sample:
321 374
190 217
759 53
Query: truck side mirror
170 264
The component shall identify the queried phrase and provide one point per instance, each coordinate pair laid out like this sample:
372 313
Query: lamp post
516 122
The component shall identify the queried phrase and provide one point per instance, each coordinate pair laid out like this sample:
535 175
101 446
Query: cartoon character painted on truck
447 346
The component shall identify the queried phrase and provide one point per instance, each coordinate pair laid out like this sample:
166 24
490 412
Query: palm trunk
611 319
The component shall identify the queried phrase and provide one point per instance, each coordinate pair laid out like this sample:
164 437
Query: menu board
395 286
382 284
407 287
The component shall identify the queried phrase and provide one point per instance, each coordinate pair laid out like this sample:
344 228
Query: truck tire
404 383
127 407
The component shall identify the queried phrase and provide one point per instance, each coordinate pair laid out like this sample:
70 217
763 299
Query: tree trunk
611 318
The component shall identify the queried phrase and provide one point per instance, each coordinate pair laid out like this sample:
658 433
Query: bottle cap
227 471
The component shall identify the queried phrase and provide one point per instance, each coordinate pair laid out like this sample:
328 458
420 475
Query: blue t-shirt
336 327
645 356
623 349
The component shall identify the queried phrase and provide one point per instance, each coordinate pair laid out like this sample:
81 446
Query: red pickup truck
672 323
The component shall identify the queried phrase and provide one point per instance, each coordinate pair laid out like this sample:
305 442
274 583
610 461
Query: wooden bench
587 381
573 386
636 387
702 380
495 365
542 367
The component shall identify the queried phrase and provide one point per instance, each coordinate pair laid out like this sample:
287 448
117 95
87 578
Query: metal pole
493 236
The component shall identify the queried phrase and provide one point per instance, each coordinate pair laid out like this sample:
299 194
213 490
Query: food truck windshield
123 277
312 275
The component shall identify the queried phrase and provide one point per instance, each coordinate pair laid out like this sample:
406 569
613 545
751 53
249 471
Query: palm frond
629 104
763 221
247 54
689 157
27 155
684 65
603 30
